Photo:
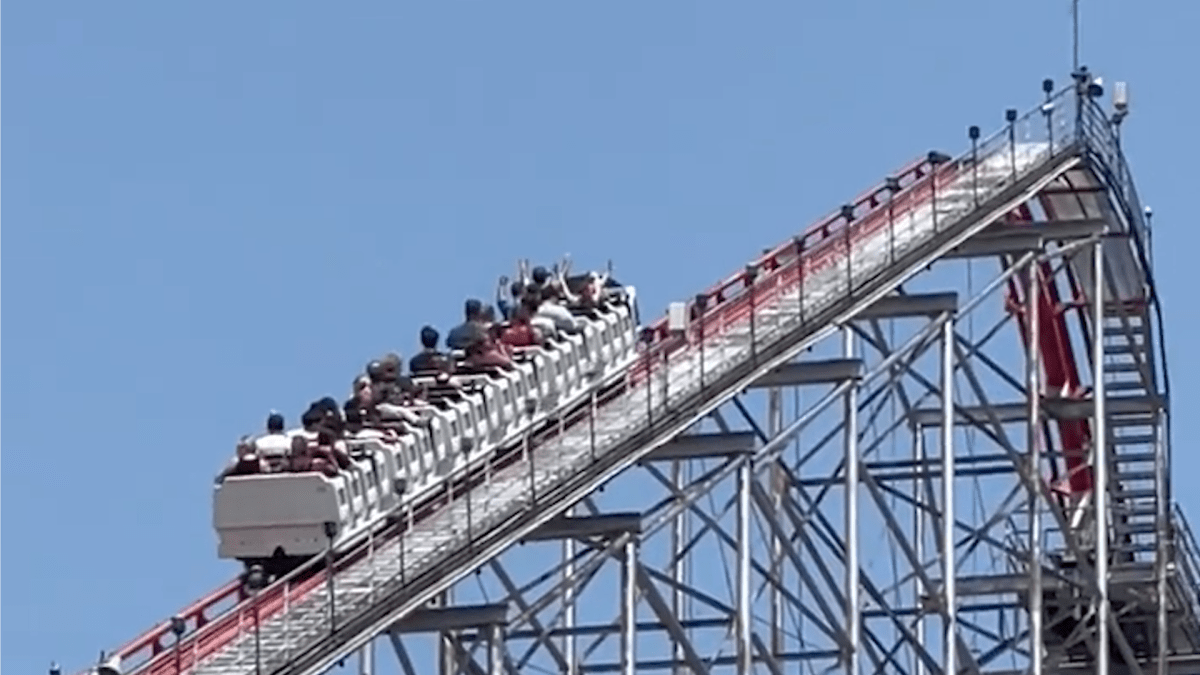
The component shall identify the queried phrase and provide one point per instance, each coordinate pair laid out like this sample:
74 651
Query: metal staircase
1133 436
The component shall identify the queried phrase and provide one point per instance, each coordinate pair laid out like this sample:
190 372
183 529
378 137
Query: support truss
892 502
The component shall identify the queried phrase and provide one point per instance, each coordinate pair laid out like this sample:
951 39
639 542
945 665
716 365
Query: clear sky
215 209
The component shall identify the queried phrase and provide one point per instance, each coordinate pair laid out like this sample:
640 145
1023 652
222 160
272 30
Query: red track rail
209 627
1059 367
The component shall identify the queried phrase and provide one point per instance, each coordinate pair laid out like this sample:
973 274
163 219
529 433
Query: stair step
1127 385
1146 493
1135 439
1131 421
1127 457
1135 528
1141 511
1115 315
1120 331
1124 348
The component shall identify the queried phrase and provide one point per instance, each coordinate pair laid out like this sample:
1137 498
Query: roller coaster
937 500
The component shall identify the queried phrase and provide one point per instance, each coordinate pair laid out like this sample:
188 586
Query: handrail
906 189
1105 146
270 598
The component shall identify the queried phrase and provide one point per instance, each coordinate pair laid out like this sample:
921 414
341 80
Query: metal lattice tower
871 451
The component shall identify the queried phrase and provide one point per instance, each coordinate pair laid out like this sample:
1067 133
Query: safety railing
1103 141
1096 129
1187 561
882 208
752 313
742 318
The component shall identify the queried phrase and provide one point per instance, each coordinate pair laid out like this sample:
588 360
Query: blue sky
220 208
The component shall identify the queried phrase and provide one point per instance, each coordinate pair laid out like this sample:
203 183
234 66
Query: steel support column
853 607
1163 545
366 659
919 459
949 597
745 644
678 566
496 649
1034 441
570 609
774 426
1100 462
629 608
446 652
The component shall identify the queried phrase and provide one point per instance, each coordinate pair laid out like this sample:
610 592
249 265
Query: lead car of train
280 520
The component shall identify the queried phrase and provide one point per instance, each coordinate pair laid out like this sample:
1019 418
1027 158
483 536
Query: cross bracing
881 458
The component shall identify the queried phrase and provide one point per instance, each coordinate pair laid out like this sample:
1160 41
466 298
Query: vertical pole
331 531
973 134
774 426
495 655
1048 112
366 659
893 186
752 282
179 625
287 625
257 630
950 600
744 646
1074 35
933 191
1164 539
852 609
629 609
446 642
800 271
685 565
785 486
919 461
677 564
1100 452
569 611
1033 438
1010 116
701 302
528 454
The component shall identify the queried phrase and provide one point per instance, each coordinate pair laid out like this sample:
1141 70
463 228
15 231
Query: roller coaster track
751 326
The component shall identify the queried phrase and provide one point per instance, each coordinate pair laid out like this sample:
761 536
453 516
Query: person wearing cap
275 443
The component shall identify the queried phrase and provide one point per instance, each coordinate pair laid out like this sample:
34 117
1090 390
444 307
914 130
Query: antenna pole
1075 35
